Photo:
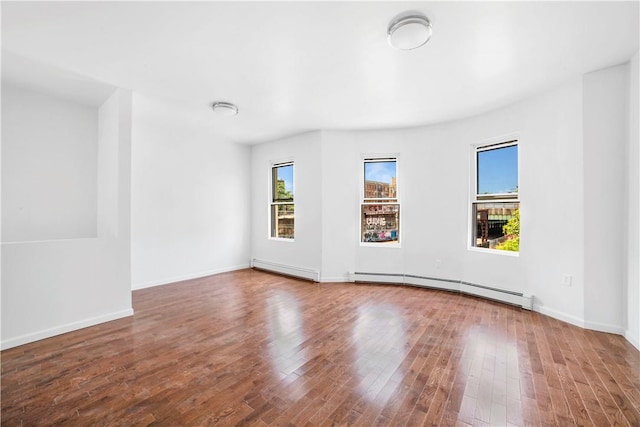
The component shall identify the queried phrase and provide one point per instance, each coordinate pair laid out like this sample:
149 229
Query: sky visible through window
498 170
285 173
379 171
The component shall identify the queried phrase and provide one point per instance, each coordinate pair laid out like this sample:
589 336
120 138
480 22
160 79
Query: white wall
605 128
49 167
434 180
633 211
305 250
558 205
190 199
340 192
55 286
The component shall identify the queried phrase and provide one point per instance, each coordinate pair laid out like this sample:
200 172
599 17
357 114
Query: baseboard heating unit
303 273
510 297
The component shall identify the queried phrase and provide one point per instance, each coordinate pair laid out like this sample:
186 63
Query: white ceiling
297 66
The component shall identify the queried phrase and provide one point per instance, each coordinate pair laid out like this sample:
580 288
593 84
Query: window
380 208
495 203
282 206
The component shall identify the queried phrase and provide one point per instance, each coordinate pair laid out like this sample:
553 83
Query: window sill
380 245
281 239
494 251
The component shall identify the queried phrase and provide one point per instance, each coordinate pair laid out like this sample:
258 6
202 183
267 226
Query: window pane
380 223
498 171
282 218
283 183
380 180
497 226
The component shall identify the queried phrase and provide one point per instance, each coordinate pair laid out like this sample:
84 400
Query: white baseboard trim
501 295
169 280
596 326
377 277
289 270
428 282
335 279
604 327
63 329
633 340
559 315
494 294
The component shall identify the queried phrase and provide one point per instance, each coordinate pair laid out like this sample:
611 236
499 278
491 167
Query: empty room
320 213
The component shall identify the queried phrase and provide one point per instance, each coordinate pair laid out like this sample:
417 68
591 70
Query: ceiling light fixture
409 30
224 109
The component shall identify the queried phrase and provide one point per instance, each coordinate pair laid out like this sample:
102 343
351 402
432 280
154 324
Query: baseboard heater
303 273
510 297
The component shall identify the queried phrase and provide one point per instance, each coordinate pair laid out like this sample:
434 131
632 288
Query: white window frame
272 203
476 199
368 201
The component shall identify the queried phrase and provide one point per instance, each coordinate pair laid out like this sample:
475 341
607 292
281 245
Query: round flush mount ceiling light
409 30
224 109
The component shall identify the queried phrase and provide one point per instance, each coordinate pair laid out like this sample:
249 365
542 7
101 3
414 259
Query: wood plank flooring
253 348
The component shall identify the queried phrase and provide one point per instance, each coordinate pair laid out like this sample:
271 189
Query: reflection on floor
254 348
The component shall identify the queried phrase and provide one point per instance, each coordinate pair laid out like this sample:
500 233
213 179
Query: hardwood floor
252 348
